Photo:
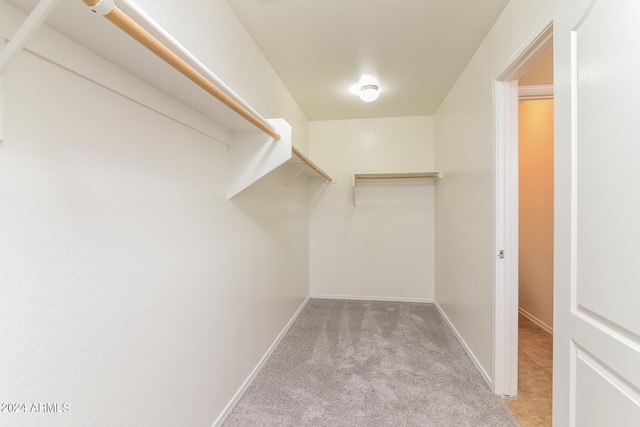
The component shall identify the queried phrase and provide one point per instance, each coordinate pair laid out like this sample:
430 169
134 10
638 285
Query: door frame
505 381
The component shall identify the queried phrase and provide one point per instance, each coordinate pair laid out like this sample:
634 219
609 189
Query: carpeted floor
369 363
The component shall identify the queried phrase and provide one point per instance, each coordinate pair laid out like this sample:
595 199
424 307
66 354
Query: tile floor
532 407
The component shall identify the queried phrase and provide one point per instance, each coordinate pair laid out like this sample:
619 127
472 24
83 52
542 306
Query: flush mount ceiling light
367 88
369 92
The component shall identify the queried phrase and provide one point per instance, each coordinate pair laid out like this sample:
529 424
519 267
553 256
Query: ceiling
415 48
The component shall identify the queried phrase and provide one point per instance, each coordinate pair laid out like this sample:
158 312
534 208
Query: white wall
130 287
464 199
384 247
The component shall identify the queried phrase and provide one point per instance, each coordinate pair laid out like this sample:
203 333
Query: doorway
506 190
533 404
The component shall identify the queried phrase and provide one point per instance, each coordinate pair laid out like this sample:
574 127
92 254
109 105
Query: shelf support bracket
18 41
1 108
353 185
26 31
301 170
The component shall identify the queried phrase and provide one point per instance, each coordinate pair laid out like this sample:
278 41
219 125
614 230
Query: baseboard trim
227 410
370 298
465 346
535 320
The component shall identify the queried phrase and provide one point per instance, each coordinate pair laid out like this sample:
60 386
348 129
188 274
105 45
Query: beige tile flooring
532 407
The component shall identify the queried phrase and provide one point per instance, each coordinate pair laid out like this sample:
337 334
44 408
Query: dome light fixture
369 92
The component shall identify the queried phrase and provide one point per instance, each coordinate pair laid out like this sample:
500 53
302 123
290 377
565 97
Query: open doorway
532 406
507 209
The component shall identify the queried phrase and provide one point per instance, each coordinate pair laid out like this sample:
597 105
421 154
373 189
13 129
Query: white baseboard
465 346
370 298
227 410
535 320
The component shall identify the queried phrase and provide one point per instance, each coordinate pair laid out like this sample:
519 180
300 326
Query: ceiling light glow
369 92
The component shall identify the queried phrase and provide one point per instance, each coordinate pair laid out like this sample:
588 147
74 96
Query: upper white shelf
140 48
409 175
364 177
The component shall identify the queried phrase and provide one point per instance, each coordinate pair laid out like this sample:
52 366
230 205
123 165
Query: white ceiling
415 48
320 48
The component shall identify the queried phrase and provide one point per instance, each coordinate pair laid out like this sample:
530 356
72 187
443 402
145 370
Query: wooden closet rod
142 36
309 163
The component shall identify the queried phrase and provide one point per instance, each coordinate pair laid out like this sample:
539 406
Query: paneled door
597 213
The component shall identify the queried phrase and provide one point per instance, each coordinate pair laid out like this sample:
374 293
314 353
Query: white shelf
434 176
369 177
127 68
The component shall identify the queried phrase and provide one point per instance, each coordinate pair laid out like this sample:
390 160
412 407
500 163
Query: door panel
598 387
607 250
597 213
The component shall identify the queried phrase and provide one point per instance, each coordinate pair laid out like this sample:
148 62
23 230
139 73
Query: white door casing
506 239
505 381
597 213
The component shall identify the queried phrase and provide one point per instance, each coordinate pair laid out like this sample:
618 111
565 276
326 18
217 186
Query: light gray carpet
369 363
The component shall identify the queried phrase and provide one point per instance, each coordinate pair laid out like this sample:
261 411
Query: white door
597 213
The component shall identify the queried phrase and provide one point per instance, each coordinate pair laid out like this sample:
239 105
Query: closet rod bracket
102 7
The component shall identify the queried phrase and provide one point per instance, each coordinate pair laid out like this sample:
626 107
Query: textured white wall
130 287
384 247
464 199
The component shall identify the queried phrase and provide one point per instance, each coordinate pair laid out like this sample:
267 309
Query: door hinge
500 254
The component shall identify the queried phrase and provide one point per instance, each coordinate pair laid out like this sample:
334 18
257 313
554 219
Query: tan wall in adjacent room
536 209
